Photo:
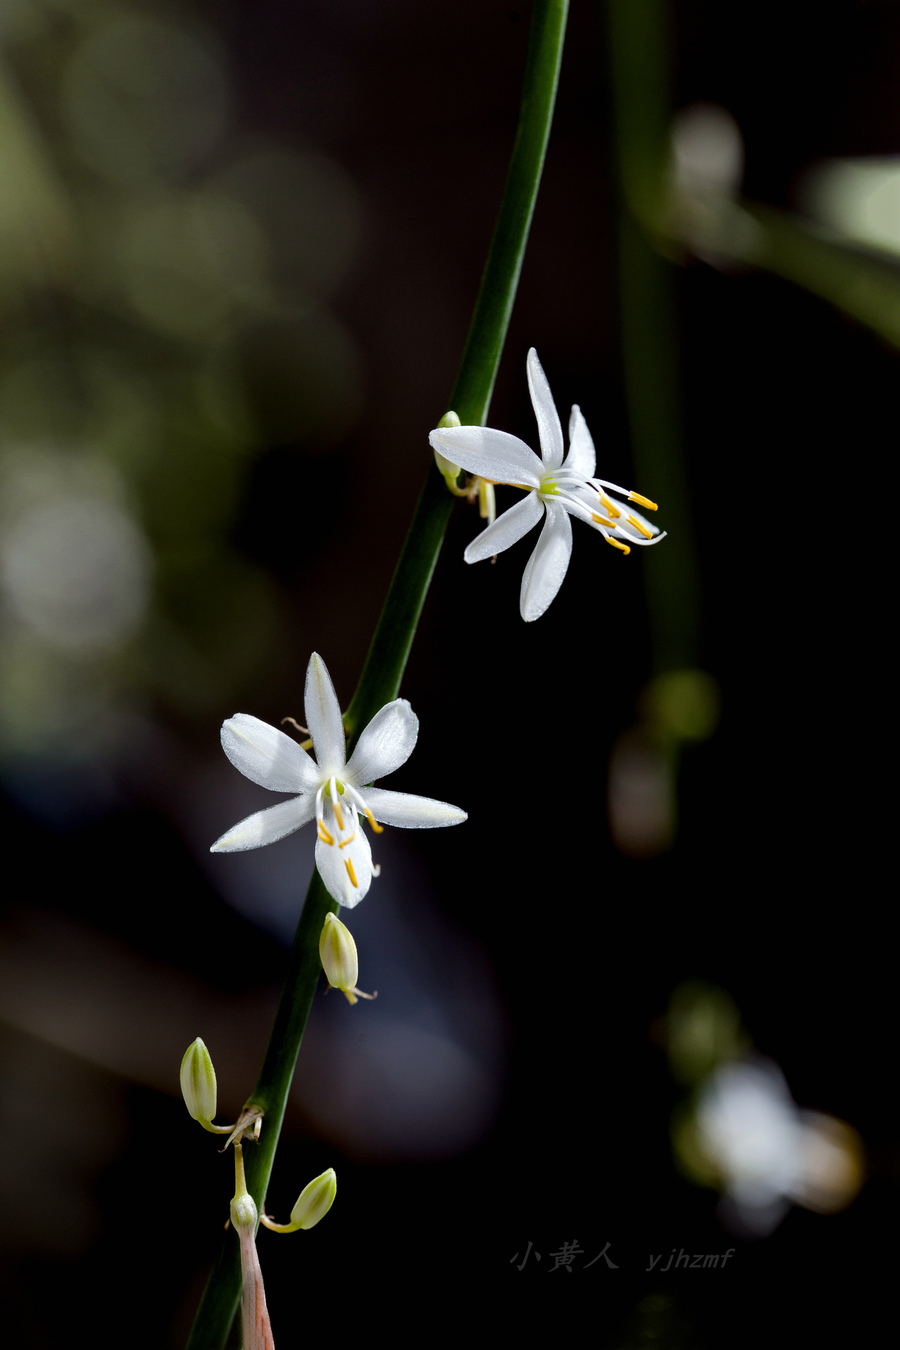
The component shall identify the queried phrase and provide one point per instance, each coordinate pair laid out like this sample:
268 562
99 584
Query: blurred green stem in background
640 47
662 214
386 661
644 762
654 222
863 285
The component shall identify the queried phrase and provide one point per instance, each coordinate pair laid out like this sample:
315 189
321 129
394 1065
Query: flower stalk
256 1327
383 670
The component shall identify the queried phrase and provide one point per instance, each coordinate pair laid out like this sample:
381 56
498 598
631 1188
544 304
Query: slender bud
450 471
338 954
198 1082
315 1201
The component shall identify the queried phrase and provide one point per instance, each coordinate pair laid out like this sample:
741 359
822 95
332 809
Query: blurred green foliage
165 280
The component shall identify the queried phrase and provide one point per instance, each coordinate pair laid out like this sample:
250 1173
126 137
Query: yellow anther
615 543
607 524
642 501
337 806
379 829
348 840
324 835
633 520
610 506
350 872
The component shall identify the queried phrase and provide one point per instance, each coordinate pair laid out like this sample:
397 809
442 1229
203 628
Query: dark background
524 940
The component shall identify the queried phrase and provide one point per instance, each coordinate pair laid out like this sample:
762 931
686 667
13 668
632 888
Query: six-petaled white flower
556 486
331 788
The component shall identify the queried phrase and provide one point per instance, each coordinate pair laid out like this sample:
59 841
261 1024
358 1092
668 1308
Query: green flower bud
198 1082
315 1201
338 954
450 471
244 1212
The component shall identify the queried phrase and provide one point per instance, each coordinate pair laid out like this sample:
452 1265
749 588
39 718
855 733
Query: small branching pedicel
198 1086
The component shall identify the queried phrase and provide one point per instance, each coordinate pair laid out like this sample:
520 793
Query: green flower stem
386 661
471 397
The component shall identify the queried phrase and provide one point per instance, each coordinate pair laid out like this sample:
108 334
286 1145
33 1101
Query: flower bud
340 961
244 1213
315 1201
450 471
198 1082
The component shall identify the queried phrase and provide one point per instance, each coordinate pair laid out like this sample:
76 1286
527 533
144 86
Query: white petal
332 860
491 454
549 428
267 756
323 717
266 826
386 743
412 813
547 565
506 529
582 458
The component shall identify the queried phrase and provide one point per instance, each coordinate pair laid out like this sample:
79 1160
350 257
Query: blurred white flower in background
768 1153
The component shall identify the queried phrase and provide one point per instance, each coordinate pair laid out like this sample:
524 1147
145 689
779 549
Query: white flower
750 1130
768 1152
556 486
330 788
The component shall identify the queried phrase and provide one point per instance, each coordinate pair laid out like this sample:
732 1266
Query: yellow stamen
348 840
336 806
633 520
350 872
324 835
642 501
607 524
487 501
615 543
610 506
379 829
